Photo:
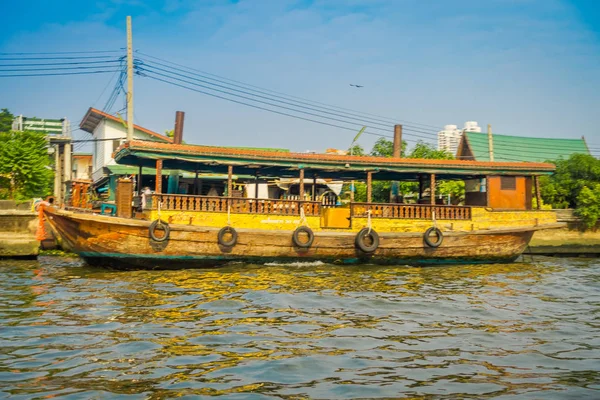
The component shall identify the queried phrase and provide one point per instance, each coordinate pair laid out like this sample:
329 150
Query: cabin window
116 144
508 183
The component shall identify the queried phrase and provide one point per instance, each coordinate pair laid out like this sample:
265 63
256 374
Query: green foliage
456 190
588 205
575 184
6 120
356 150
170 133
571 175
424 150
385 148
23 165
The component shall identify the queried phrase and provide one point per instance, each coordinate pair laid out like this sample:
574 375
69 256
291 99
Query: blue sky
528 67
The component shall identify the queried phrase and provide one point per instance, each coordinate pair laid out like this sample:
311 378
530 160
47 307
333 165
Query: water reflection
523 330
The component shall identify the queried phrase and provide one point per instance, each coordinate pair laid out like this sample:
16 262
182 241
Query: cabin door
332 217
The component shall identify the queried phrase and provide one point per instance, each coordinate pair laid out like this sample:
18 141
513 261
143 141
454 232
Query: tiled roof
520 148
143 149
93 117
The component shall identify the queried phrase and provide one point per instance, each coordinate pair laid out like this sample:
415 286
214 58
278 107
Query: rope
158 213
434 220
303 220
228 215
369 226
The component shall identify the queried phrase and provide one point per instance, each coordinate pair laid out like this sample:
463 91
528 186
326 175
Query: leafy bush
24 166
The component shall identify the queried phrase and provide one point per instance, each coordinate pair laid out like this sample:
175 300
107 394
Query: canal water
527 330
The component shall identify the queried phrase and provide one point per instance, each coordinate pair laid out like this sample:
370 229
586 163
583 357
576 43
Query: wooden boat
178 230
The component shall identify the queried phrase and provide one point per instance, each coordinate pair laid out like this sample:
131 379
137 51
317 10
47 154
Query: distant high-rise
449 137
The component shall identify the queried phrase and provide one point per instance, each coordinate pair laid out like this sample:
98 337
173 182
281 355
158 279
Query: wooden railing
409 211
175 202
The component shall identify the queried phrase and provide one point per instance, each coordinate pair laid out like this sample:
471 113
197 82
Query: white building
109 132
449 137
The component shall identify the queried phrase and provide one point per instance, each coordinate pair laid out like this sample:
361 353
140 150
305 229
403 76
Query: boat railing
237 205
410 211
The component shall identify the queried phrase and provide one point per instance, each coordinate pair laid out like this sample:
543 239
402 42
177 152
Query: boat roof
274 164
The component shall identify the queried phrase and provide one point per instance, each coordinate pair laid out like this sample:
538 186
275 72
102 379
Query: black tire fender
221 236
362 235
427 237
160 225
296 238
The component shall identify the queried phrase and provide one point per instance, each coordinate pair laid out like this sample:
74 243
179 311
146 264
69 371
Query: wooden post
369 186
178 130
158 188
57 175
139 182
538 196
432 190
129 81
314 187
256 186
487 191
397 153
196 184
229 180
301 184
420 187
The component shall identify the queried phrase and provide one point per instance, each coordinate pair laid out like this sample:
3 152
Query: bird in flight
357 86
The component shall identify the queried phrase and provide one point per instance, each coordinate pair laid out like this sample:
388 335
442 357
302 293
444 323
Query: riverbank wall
17 230
572 240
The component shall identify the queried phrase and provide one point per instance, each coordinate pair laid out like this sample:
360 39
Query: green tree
588 205
6 120
356 150
24 163
575 184
424 150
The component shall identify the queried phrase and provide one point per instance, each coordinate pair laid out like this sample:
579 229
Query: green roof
520 148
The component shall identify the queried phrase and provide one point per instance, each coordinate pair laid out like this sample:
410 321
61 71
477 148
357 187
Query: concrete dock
17 230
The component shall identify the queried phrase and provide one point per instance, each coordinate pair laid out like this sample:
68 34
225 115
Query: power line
362 120
61 63
249 98
52 58
58 74
56 68
63 52
259 101
263 108
285 96
105 87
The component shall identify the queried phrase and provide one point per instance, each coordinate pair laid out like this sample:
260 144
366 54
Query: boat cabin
309 185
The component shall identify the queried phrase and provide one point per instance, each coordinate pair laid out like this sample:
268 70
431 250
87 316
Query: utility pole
490 142
129 81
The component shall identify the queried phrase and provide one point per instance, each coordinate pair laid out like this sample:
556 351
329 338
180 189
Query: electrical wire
52 58
60 63
59 74
63 52
262 108
288 97
57 68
